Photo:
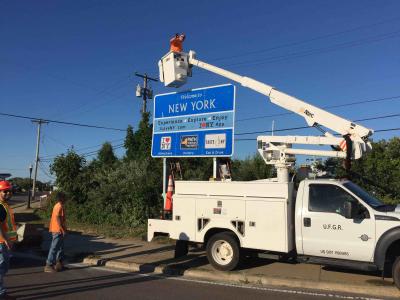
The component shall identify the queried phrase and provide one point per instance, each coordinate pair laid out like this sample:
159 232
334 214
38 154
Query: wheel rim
222 252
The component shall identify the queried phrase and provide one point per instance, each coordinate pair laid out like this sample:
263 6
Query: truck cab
339 220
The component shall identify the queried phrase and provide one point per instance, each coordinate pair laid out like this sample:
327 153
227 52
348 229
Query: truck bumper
157 226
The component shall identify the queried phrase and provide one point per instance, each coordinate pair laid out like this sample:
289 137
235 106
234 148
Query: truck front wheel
396 272
223 251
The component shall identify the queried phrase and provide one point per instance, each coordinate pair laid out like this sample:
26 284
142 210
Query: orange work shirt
58 211
176 44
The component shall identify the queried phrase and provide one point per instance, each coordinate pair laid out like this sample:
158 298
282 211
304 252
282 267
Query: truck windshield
370 200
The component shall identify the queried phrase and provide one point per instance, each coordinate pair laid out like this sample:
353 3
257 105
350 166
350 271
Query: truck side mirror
349 209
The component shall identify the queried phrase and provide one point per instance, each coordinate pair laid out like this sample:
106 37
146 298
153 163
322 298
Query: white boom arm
311 113
176 67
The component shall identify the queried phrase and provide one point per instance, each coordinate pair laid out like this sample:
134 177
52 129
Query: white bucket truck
325 221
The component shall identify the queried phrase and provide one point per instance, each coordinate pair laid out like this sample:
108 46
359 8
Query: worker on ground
176 42
58 230
8 233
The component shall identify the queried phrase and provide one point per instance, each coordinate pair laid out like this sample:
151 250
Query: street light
30 185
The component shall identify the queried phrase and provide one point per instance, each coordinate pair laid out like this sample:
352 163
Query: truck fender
215 230
383 244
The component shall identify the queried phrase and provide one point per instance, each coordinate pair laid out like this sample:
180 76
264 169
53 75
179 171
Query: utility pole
30 186
144 92
39 122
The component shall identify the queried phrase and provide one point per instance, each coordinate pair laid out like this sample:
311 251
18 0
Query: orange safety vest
9 226
176 44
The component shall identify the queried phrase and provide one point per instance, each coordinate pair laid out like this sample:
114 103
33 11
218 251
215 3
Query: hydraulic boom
175 67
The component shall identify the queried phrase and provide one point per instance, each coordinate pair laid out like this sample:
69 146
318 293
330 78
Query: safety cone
168 198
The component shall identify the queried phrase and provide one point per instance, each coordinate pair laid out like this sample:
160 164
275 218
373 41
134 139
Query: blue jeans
56 252
4 265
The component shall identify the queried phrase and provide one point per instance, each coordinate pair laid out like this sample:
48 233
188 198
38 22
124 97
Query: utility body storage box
260 213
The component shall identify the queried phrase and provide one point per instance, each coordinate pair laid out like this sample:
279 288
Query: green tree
251 168
23 183
70 175
196 168
138 143
378 171
106 155
129 143
125 196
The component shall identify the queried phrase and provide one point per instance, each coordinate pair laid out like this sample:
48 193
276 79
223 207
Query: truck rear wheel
223 251
396 272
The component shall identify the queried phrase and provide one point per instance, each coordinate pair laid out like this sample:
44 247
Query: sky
75 61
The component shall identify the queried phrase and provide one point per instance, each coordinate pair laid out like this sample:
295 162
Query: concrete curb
369 291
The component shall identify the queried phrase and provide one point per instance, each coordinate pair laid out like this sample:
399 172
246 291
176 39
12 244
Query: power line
41 167
299 54
375 131
275 130
390 129
325 107
117 146
81 85
290 44
377 118
84 148
114 86
115 98
306 127
95 152
54 140
62 122
85 154
106 91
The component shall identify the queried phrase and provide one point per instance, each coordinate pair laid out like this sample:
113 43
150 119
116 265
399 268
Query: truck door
325 230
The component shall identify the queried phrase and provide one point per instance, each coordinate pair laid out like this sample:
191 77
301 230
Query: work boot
49 269
59 266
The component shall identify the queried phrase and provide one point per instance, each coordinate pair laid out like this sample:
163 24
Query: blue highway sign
195 123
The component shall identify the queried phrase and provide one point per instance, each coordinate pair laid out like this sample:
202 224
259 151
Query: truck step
358 265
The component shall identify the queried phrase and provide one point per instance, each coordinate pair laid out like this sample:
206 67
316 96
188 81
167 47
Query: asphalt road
20 198
26 280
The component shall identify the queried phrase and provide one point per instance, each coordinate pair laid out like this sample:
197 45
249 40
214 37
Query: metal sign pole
164 179
214 168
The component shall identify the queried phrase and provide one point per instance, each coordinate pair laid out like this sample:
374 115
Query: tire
223 251
396 272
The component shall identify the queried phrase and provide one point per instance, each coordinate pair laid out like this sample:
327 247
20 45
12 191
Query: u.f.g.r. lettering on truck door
325 230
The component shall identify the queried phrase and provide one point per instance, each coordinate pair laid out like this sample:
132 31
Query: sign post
195 123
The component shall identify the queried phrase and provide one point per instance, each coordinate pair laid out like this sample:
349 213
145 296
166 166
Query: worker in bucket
58 230
8 233
176 42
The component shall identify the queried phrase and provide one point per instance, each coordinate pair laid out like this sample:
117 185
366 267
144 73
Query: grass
109 230
38 216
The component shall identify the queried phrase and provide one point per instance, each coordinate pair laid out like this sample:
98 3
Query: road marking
278 290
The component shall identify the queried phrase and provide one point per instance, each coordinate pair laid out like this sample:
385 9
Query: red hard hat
5 185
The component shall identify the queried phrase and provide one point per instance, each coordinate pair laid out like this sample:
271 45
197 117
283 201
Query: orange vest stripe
9 226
